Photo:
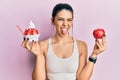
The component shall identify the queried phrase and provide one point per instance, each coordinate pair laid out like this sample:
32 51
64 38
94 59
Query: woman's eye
69 19
60 19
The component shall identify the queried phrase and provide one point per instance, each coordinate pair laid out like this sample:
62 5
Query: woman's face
63 22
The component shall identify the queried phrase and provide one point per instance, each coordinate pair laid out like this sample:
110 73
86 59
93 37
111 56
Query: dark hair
60 7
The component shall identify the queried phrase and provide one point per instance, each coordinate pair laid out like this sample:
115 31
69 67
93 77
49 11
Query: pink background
16 63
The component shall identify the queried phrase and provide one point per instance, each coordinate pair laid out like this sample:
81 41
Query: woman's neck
62 39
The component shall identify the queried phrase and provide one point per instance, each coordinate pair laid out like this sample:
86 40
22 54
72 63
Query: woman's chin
64 34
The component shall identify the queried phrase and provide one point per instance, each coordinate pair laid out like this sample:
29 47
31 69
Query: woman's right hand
33 47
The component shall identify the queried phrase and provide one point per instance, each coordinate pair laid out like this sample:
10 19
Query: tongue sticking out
64 31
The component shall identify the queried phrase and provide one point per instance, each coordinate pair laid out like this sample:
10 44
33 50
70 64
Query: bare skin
63 43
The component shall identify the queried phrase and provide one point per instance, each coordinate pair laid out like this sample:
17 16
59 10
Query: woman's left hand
99 47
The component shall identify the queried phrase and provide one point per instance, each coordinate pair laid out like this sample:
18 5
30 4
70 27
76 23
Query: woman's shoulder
44 44
81 43
82 46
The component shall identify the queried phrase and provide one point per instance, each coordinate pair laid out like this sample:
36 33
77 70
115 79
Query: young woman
61 57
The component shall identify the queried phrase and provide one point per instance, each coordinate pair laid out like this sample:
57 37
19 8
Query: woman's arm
83 52
39 67
86 72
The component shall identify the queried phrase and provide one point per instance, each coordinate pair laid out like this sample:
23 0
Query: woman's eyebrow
63 18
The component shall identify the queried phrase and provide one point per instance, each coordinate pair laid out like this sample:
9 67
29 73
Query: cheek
70 24
58 24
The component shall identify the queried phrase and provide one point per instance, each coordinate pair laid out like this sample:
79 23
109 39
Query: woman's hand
99 47
33 47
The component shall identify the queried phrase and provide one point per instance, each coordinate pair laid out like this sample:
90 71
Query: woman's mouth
64 31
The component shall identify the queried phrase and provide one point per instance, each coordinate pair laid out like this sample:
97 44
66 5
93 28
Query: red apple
98 33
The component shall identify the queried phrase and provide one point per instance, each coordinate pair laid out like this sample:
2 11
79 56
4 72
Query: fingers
101 44
31 46
104 40
35 43
26 44
98 44
23 43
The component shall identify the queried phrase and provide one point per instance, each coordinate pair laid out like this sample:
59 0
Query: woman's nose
65 23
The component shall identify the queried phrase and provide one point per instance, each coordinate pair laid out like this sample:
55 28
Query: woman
61 57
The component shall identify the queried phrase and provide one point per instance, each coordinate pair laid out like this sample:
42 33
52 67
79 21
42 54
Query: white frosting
31 24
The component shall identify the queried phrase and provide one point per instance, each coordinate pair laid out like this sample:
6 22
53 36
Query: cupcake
31 33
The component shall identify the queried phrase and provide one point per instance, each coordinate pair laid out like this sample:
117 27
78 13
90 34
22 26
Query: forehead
64 14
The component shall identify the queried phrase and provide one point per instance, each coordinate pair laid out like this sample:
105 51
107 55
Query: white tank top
62 68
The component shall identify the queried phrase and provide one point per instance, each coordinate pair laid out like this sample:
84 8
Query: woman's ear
52 21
